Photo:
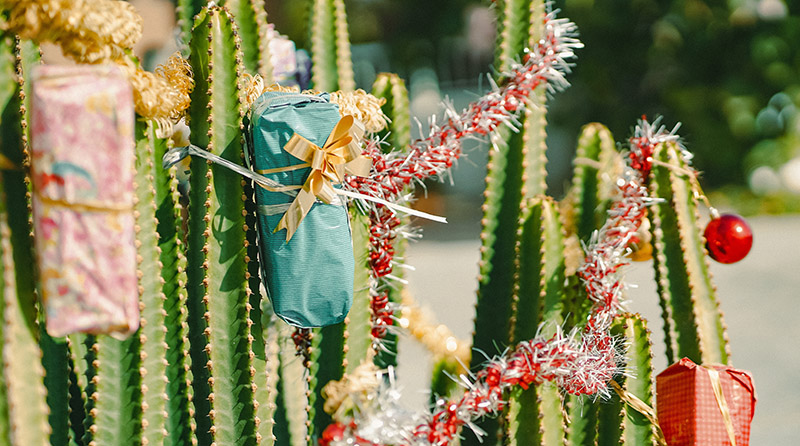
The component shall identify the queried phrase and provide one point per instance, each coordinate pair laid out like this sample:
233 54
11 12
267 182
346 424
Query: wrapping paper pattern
688 411
83 196
309 279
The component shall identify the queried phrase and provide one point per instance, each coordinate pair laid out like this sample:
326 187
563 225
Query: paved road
758 295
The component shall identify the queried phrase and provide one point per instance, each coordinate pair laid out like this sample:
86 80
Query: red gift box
691 401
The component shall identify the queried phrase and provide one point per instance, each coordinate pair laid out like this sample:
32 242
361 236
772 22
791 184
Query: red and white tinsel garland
579 363
392 174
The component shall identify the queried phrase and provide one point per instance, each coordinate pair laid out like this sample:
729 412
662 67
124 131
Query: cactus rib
637 428
324 69
25 392
344 61
153 330
217 284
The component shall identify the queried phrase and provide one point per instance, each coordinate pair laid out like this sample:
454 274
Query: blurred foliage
728 70
410 29
713 65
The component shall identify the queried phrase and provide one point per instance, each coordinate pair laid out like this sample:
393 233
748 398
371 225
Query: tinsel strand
580 362
395 173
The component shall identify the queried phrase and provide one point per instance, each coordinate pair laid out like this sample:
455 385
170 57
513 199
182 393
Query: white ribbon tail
392 206
178 153
173 156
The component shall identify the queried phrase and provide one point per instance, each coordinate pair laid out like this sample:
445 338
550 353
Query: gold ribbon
723 405
340 155
86 206
641 407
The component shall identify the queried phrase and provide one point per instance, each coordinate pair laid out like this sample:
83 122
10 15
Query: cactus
332 67
693 323
26 419
211 364
392 88
219 324
541 278
251 18
516 171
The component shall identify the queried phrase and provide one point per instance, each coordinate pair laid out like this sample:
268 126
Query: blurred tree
710 64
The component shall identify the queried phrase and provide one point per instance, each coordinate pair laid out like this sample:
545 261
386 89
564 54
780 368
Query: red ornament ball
728 238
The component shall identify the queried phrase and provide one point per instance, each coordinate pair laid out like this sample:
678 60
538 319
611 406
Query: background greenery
728 70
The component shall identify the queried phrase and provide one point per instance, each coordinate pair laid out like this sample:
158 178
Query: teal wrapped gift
299 141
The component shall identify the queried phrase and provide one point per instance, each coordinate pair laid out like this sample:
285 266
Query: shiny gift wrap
83 195
706 406
309 278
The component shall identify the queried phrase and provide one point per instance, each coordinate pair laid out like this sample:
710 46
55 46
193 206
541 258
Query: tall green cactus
693 323
584 211
532 418
219 324
24 391
251 18
638 430
515 170
392 88
153 329
596 160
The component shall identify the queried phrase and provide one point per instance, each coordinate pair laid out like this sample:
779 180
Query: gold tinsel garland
358 384
437 338
359 104
103 31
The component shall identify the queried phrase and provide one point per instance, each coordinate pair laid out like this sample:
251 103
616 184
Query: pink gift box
82 169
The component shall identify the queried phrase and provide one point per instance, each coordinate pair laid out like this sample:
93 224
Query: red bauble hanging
728 238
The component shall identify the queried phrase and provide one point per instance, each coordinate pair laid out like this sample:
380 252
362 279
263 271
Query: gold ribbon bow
340 155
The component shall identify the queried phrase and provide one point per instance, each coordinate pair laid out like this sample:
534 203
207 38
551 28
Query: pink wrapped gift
82 168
